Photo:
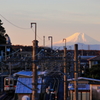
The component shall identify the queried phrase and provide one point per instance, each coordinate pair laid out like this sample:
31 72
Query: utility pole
76 71
5 52
9 69
65 41
65 76
65 72
35 28
51 40
44 41
82 49
5 45
34 67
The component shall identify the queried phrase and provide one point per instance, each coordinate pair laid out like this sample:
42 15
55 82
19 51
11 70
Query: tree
2 34
93 72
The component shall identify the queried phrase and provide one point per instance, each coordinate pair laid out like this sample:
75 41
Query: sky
57 18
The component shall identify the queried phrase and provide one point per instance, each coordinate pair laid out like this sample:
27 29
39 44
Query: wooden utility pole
65 76
34 66
34 70
76 71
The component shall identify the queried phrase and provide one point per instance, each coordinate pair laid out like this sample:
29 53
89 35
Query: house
24 84
94 61
88 88
84 59
83 63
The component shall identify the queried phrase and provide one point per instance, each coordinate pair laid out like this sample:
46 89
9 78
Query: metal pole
76 71
34 70
35 28
65 42
5 51
50 37
9 69
65 76
44 41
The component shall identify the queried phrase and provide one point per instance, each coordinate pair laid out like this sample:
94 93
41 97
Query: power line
37 35
12 23
18 26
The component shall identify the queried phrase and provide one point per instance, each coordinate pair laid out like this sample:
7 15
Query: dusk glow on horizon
57 18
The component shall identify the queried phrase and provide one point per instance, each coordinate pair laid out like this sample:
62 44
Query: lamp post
50 37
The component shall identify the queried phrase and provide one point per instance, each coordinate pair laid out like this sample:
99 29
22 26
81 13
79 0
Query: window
11 81
6 83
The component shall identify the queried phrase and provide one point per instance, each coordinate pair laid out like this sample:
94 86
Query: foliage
2 34
93 72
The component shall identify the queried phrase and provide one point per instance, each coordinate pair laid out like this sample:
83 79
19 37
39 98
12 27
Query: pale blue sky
57 18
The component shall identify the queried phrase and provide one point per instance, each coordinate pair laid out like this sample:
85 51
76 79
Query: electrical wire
41 38
21 27
12 23
37 35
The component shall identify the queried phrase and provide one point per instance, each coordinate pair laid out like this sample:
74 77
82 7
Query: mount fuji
84 42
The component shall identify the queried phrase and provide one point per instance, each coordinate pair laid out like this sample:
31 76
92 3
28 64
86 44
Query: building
24 84
94 61
88 89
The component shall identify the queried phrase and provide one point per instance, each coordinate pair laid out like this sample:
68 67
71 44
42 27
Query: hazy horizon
56 18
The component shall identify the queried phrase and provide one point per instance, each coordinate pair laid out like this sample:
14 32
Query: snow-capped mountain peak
78 38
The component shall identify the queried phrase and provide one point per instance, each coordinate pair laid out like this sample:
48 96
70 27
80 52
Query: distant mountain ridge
84 42
78 38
